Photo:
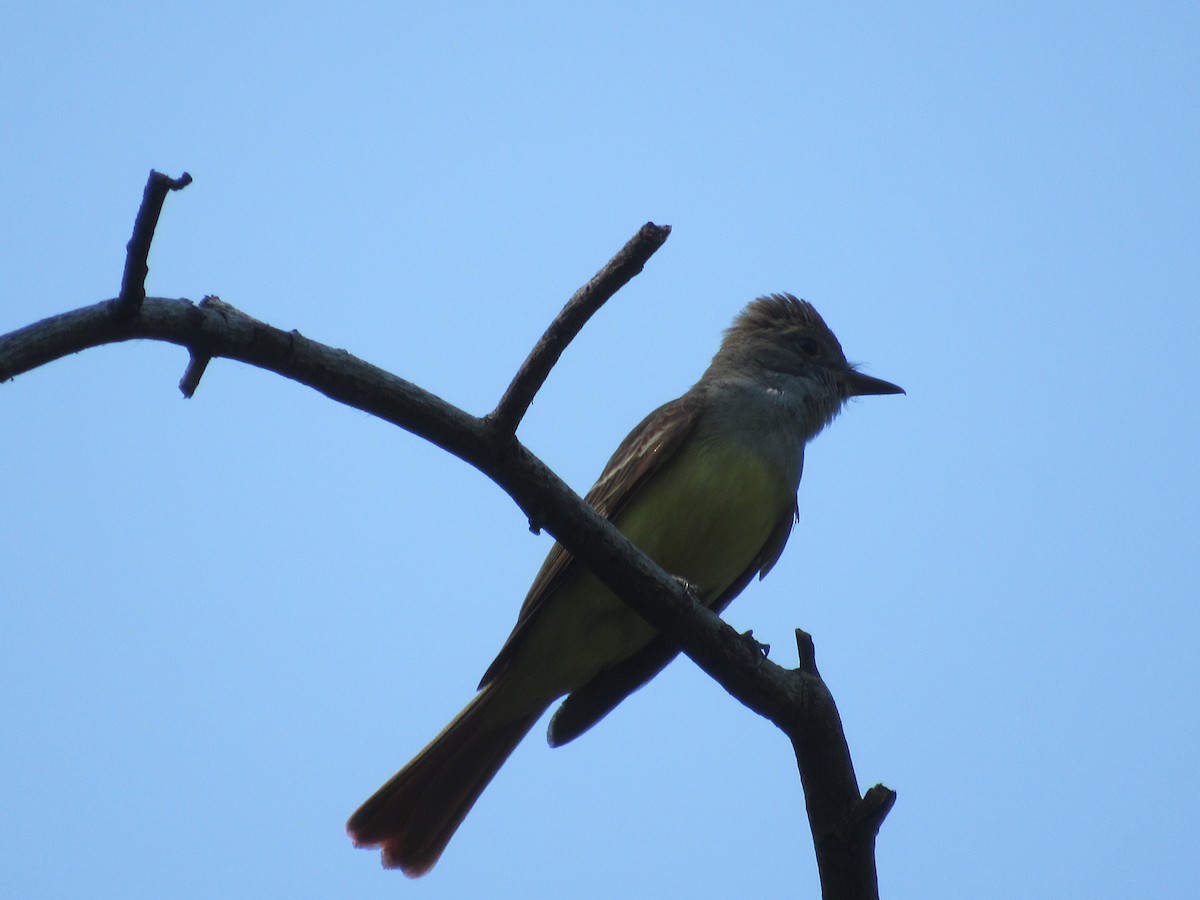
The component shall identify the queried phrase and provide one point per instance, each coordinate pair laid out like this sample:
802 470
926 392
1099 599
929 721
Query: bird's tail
414 815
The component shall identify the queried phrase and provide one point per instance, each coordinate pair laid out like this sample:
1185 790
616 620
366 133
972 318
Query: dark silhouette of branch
137 251
615 275
844 823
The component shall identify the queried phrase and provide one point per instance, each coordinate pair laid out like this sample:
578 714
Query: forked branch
844 823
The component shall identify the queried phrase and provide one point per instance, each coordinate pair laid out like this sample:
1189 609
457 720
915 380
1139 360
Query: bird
706 486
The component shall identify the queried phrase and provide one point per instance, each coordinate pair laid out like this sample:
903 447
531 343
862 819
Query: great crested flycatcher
706 487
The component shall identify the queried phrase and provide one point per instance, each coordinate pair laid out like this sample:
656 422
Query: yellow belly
708 515
704 519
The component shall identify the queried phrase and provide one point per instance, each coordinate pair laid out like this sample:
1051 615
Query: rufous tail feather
414 815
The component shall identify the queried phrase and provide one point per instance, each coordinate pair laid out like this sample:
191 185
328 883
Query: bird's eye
810 348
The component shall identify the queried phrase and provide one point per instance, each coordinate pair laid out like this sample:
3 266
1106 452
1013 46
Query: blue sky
225 621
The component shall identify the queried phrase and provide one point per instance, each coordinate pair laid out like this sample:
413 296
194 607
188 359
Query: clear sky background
225 621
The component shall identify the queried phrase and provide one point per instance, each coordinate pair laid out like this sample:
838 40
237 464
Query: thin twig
615 274
873 809
198 362
137 251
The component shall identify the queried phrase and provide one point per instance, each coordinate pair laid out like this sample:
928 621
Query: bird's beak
859 385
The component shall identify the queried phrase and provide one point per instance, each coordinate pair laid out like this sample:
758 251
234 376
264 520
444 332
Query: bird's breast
707 515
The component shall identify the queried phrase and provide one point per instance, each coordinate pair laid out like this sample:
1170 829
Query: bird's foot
693 590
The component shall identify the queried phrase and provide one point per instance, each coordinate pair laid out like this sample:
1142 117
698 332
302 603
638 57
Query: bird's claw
693 590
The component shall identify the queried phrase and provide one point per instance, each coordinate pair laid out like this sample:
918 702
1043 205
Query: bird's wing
638 458
587 705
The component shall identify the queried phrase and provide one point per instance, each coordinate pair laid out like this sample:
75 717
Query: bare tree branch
843 822
137 251
615 275
198 362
